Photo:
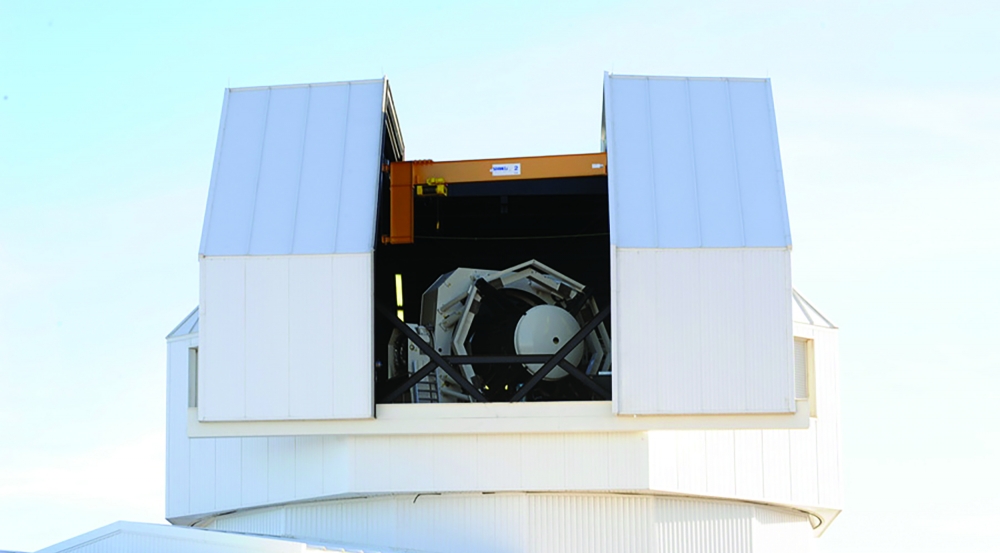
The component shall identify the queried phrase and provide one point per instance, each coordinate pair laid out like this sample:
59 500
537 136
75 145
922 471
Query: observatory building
594 352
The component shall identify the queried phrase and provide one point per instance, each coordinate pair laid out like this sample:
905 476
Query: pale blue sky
889 122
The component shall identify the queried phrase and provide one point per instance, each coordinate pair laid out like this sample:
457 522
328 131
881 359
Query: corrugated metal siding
748 463
781 531
178 466
784 466
264 522
296 170
703 331
504 523
827 421
228 483
693 163
777 465
499 462
286 337
205 475
804 476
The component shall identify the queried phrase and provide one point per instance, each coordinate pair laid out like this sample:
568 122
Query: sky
889 125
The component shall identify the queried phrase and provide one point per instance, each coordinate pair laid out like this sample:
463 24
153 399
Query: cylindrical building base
532 522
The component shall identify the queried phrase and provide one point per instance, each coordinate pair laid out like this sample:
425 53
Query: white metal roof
693 163
161 538
297 169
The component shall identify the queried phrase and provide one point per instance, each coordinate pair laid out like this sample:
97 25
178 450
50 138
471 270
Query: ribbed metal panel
804 475
693 163
286 338
503 523
202 484
781 531
703 331
828 417
178 465
264 522
297 170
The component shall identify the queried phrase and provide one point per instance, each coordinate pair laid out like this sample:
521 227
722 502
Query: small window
192 377
802 348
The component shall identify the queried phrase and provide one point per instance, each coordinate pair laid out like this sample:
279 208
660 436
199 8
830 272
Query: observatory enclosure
316 234
590 352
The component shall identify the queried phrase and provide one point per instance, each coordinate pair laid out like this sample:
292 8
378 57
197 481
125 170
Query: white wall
702 331
800 467
286 337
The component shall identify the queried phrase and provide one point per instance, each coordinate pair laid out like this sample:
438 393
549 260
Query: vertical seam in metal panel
288 323
777 161
383 134
244 398
302 160
215 471
369 315
612 181
267 470
322 464
694 164
215 478
215 172
816 446
239 441
747 402
333 343
260 162
699 263
791 465
789 328
704 460
736 164
190 479
613 239
616 407
343 164
652 165
763 465
736 468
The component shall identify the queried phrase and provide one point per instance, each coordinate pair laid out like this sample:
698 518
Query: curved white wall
525 523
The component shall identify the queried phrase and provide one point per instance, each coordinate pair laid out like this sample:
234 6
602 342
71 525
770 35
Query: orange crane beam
426 177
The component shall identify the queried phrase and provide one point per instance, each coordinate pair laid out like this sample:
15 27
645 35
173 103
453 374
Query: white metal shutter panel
701 279
286 299
286 338
702 331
